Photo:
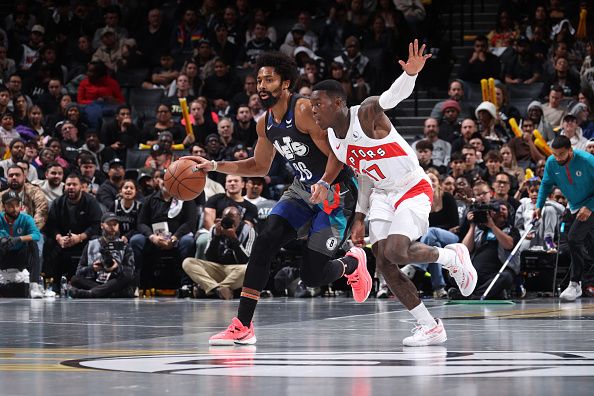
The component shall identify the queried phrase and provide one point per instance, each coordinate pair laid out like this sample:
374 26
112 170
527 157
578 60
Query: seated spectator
455 92
108 191
190 70
257 45
506 31
590 146
243 97
553 111
587 68
221 87
73 220
7 131
165 123
71 142
490 239
112 16
102 153
152 37
50 100
340 74
36 123
449 126
245 126
480 64
523 148
163 75
505 109
521 67
524 216
581 112
52 184
117 53
7 65
26 54
255 187
4 98
215 205
472 170
204 58
227 138
570 128
501 186
230 241
99 93
359 71
493 167
441 149
106 265
490 126
424 149
478 143
223 45
19 257
17 153
551 217
457 165
161 155
21 110
121 133
535 113
77 117
146 182
90 171
48 60
467 129
256 107
569 84
165 225
182 90
46 156
187 34
126 208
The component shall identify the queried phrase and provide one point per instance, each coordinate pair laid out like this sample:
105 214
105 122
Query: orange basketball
183 180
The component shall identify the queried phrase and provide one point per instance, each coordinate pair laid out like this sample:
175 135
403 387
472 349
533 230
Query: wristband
214 165
324 183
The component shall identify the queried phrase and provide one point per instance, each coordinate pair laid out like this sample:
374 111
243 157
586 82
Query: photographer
227 254
490 238
18 250
106 266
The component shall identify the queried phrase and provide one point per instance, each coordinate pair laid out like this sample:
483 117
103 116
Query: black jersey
128 218
298 148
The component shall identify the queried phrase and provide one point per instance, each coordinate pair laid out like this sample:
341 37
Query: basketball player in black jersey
318 204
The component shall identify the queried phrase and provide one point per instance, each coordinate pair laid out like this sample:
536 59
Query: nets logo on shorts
331 243
438 362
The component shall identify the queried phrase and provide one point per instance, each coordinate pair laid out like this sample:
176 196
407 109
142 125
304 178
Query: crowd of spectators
90 118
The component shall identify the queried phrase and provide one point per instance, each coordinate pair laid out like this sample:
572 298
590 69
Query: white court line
108 324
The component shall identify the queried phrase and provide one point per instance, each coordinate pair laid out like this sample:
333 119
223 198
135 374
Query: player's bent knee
396 254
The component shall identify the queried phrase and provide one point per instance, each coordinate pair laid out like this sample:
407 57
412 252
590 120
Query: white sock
423 316
446 256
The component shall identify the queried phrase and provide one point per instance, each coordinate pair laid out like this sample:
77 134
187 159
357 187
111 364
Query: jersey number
377 174
303 171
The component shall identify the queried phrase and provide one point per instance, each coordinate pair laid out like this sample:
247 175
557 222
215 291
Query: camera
227 222
481 211
107 252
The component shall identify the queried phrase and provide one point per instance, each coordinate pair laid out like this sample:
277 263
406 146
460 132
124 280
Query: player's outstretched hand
202 162
416 59
318 193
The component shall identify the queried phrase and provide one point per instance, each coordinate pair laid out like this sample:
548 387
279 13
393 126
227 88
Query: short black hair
284 65
332 88
424 145
560 142
74 175
14 166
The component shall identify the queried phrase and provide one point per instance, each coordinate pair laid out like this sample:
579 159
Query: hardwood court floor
322 346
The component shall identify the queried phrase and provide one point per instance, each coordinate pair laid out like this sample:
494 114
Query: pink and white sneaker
360 280
462 270
425 335
236 333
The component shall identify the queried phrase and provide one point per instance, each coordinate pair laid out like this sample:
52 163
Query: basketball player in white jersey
394 191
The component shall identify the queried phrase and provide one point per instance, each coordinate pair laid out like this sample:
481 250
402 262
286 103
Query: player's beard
270 101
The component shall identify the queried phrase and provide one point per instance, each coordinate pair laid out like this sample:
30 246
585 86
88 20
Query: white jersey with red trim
391 163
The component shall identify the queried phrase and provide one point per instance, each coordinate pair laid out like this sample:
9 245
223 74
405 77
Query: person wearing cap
582 114
72 221
301 33
108 191
90 170
521 67
106 265
449 127
116 52
17 152
20 269
535 113
28 53
441 149
590 146
572 170
295 38
570 128
112 16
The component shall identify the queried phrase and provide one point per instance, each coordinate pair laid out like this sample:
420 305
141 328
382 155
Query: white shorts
405 213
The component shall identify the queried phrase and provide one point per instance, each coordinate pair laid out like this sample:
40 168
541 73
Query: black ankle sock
350 262
245 312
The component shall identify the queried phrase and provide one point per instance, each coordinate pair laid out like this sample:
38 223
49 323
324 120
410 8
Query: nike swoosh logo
289 121
337 147
343 193
268 127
